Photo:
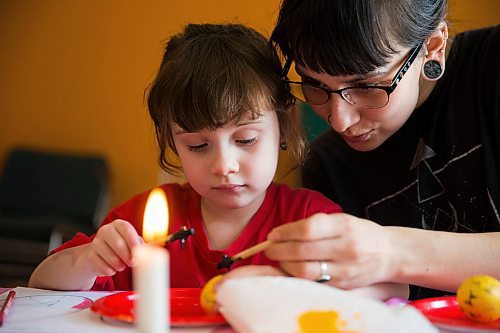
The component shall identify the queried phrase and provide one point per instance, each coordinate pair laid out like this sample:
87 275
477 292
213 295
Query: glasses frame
388 89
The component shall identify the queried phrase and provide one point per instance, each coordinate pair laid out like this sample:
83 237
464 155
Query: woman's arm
443 260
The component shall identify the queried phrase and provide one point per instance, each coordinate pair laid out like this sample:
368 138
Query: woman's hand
111 248
357 251
380 291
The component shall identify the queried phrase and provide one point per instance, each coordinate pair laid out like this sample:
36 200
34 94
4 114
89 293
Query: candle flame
155 223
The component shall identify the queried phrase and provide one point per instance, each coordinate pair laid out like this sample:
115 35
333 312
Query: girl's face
366 129
232 166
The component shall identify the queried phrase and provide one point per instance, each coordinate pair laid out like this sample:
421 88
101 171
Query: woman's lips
357 138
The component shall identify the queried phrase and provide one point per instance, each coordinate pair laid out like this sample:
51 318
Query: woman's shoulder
481 35
479 44
472 66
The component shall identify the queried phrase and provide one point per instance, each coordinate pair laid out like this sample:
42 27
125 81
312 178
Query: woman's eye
308 80
365 88
247 141
197 147
368 85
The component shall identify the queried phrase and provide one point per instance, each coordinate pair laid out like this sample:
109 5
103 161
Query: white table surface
48 311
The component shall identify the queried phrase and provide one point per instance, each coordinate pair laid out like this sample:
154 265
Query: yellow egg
208 299
479 298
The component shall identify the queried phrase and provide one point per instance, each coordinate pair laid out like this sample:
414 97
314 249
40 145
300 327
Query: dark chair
45 198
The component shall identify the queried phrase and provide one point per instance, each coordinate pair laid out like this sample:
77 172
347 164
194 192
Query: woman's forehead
382 70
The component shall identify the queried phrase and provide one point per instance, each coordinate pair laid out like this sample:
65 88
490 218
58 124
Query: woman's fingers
317 226
304 250
355 250
335 237
340 275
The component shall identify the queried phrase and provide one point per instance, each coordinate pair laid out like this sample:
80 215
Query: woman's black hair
348 37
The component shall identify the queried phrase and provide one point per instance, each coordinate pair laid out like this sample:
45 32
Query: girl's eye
247 141
197 147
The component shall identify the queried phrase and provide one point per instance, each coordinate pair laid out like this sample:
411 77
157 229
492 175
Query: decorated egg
479 298
208 299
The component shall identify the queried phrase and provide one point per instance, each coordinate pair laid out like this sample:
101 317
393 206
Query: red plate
185 309
444 312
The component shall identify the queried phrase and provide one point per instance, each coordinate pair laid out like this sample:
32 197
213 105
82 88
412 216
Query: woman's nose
342 115
224 163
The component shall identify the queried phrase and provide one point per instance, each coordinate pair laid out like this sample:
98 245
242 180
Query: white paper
275 304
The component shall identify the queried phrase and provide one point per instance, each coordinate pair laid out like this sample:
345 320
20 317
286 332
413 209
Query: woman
413 154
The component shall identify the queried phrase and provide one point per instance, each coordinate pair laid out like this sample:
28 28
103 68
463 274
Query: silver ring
324 276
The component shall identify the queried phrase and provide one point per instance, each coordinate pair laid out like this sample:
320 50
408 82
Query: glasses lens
314 95
366 97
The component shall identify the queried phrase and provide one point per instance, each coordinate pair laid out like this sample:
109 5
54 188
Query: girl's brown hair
212 74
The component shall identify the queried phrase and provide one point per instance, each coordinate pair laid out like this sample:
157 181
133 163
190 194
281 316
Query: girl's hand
357 252
111 248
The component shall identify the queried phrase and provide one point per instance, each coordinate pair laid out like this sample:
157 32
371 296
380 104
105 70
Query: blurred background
73 74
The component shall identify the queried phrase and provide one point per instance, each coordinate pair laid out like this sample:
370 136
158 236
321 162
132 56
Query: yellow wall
73 73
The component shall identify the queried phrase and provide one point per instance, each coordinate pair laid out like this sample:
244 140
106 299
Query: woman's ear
435 58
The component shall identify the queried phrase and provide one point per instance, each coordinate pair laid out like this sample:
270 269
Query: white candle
151 275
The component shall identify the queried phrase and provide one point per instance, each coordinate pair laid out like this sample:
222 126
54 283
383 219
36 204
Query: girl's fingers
127 238
109 255
100 266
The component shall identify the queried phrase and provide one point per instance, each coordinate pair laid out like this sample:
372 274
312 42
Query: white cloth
266 304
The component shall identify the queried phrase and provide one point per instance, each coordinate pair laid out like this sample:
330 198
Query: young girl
218 103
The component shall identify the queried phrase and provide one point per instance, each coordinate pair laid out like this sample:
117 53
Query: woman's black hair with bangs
213 74
349 37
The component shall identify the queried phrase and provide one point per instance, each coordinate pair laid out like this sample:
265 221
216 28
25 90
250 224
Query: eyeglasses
373 97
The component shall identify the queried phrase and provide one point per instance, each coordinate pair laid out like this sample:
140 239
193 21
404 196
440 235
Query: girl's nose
342 115
224 163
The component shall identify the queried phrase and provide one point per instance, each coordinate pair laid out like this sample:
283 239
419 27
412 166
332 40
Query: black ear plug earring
432 70
283 146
